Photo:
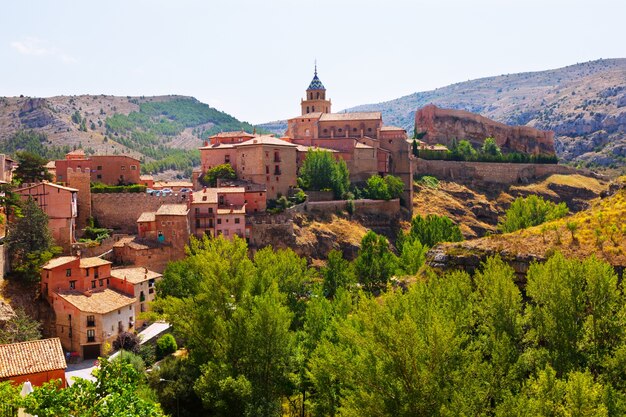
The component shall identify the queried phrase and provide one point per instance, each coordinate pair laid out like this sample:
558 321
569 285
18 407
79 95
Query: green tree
166 345
337 273
31 168
30 243
414 149
412 257
210 177
116 392
531 211
375 263
321 171
432 229
491 148
464 151
19 328
384 188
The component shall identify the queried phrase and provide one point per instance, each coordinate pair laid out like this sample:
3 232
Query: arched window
307 109
318 95
310 96
312 109
307 132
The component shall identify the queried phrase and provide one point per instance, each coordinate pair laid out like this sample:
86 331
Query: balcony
91 323
142 297
91 339
204 215
277 159
277 172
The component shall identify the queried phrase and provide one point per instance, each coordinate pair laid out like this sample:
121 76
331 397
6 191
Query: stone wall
120 211
389 208
319 195
493 172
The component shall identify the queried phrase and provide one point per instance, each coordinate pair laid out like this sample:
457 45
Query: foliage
100 188
31 168
210 177
412 257
491 148
375 263
173 382
97 234
430 230
30 243
19 328
114 393
337 274
33 142
166 345
9 397
428 181
321 171
384 188
531 211
127 341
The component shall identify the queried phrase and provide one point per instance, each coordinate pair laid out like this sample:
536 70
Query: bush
99 188
431 230
127 341
531 211
166 345
223 171
384 188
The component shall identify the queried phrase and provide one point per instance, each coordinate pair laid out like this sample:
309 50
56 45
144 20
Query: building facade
107 169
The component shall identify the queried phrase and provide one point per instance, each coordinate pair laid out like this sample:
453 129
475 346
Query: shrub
531 211
430 230
384 188
127 341
99 188
166 345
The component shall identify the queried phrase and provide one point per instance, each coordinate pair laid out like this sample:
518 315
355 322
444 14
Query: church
361 139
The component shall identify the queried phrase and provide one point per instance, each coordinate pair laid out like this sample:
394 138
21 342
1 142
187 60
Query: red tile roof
31 357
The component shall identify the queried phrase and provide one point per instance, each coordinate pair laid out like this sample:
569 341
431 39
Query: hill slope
585 105
165 130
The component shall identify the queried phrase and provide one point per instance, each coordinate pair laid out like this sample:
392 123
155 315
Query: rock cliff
445 125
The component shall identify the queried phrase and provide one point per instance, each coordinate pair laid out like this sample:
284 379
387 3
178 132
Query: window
133 167
237 220
354 129
95 273
267 169
142 308
197 223
72 285
313 109
91 321
99 167
91 336
68 272
210 210
87 272
369 129
226 232
101 282
93 284
219 221
99 176
123 167
340 130
227 159
119 311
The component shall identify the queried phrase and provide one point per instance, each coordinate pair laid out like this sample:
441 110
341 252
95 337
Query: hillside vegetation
163 131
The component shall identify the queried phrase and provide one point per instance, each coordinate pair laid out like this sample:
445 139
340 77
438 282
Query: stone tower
81 180
315 100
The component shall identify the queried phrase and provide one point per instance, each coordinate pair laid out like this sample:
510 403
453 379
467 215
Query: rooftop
265 140
232 209
331 117
316 84
233 134
93 262
61 260
99 302
46 184
391 128
135 275
206 195
147 216
172 210
31 357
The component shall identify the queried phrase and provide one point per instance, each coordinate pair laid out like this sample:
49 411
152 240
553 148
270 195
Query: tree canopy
223 171
321 171
31 168
531 211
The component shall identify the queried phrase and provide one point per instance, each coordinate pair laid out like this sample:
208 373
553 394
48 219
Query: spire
316 84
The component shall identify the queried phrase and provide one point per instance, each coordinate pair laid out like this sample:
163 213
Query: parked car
167 191
185 190
149 191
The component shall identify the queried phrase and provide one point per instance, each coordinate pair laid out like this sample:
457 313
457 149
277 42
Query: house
218 211
139 282
37 361
107 169
263 160
60 205
92 303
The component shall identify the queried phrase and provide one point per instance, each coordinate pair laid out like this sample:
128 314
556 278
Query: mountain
164 131
584 104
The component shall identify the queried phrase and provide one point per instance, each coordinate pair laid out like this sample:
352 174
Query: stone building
218 211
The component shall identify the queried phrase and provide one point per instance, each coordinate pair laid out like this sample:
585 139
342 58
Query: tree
491 148
31 168
384 188
166 345
531 211
19 328
210 177
412 257
127 341
116 392
432 229
337 273
375 263
30 243
414 149
464 151
321 171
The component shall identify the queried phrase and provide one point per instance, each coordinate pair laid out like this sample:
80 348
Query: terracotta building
107 169
361 139
37 361
60 205
218 211
6 169
263 160
92 303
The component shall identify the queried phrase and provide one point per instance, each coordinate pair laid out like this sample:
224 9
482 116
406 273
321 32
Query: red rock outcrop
445 125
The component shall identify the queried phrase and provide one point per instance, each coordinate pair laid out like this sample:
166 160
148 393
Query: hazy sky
254 59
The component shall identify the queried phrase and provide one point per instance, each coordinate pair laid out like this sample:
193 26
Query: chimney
206 143
145 270
87 293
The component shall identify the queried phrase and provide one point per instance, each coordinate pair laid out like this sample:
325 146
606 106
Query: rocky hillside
167 129
599 231
584 104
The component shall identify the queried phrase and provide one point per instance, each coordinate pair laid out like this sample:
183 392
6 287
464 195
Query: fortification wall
364 207
494 172
120 211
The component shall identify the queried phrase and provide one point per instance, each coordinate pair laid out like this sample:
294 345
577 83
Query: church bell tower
315 100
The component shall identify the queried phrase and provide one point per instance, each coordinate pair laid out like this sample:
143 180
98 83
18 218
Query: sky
254 59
